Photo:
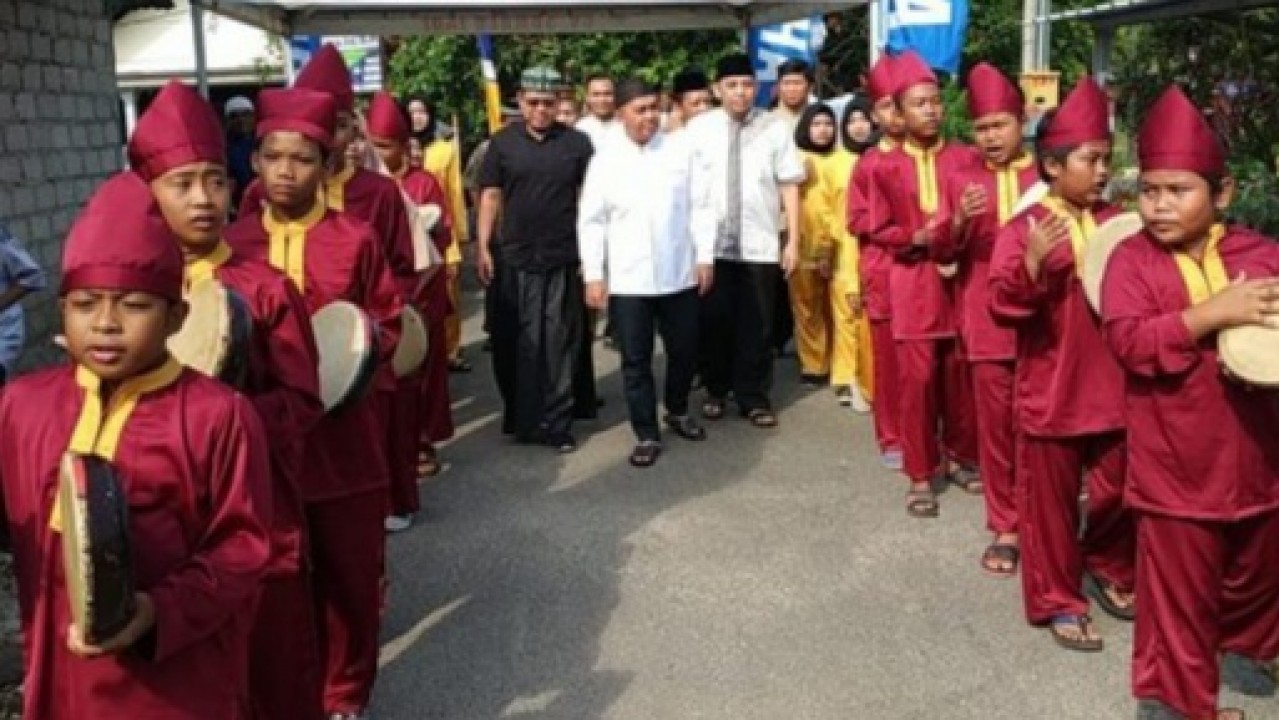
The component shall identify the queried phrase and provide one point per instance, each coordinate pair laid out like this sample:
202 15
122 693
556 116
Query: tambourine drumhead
422 220
97 558
414 343
1100 246
1251 353
348 352
215 337
1032 196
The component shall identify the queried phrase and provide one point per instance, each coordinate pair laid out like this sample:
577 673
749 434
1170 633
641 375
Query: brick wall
59 132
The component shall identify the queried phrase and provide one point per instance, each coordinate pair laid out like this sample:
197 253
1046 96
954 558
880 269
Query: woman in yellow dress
816 136
440 158
851 363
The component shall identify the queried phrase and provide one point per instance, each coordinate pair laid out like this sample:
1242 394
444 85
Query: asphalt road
761 575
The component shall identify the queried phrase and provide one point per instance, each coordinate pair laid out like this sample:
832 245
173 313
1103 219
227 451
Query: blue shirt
17 269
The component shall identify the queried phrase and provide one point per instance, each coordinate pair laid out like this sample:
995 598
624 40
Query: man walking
639 261
746 175
533 171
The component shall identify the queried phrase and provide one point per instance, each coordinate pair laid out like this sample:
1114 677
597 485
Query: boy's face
888 117
1082 177
390 152
1178 206
998 136
344 133
195 200
291 167
922 111
694 103
119 334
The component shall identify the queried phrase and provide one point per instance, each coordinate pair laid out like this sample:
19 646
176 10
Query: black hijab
802 130
861 104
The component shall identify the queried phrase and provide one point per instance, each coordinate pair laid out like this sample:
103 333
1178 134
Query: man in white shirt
751 169
640 262
601 107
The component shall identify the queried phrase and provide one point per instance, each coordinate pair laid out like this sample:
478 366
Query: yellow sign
1042 89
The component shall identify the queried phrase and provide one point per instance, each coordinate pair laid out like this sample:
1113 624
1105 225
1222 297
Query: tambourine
414 343
1100 247
1250 353
97 560
344 336
216 337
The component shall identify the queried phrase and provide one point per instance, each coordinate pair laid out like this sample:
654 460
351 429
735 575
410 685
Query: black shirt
540 181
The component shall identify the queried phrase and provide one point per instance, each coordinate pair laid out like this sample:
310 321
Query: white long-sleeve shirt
633 227
769 159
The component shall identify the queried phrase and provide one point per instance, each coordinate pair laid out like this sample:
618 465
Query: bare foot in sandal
1002 556
921 502
1115 601
1076 632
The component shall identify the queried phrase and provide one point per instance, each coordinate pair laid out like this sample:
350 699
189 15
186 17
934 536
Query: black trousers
585 399
536 325
674 317
736 336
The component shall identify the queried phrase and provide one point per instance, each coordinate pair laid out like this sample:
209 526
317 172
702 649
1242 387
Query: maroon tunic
874 261
341 262
1068 382
1194 447
194 463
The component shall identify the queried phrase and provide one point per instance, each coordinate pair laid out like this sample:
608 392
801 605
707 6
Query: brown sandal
922 504
1082 643
428 464
1000 560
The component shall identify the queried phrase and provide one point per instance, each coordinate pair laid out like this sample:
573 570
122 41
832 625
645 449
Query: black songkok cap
734 65
688 80
632 89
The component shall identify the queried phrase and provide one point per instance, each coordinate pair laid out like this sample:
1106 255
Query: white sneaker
397 523
859 404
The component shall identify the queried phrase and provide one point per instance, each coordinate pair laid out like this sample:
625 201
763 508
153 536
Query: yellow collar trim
287 239
334 192
926 173
201 269
886 145
1008 184
1081 230
98 429
1207 278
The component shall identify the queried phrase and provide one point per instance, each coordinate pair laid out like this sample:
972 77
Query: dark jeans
737 333
536 324
675 319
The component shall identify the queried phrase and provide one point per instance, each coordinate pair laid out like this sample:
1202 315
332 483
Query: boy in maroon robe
980 200
874 263
422 411
193 462
1203 471
330 257
1068 386
902 218
179 149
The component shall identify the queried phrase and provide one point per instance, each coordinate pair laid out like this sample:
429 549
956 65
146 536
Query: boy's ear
1226 195
1053 167
178 312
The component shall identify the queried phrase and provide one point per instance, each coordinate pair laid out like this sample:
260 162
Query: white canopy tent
465 17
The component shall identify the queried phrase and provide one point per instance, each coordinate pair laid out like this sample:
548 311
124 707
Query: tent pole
201 61
876 30
745 30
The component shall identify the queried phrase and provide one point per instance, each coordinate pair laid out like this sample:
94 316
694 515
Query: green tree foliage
447 67
1227 62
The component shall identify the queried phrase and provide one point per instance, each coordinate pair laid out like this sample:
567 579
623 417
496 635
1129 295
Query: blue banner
771 45
933 28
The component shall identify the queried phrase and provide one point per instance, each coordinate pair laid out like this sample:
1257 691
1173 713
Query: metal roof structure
1132 12
464 17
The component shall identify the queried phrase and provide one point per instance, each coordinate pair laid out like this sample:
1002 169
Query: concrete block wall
60 133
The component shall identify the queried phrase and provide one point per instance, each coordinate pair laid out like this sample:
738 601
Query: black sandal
713 408
1079 644
685 426
922 504
1100 591
645 454
966 479
459 365
1001 560
761 418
